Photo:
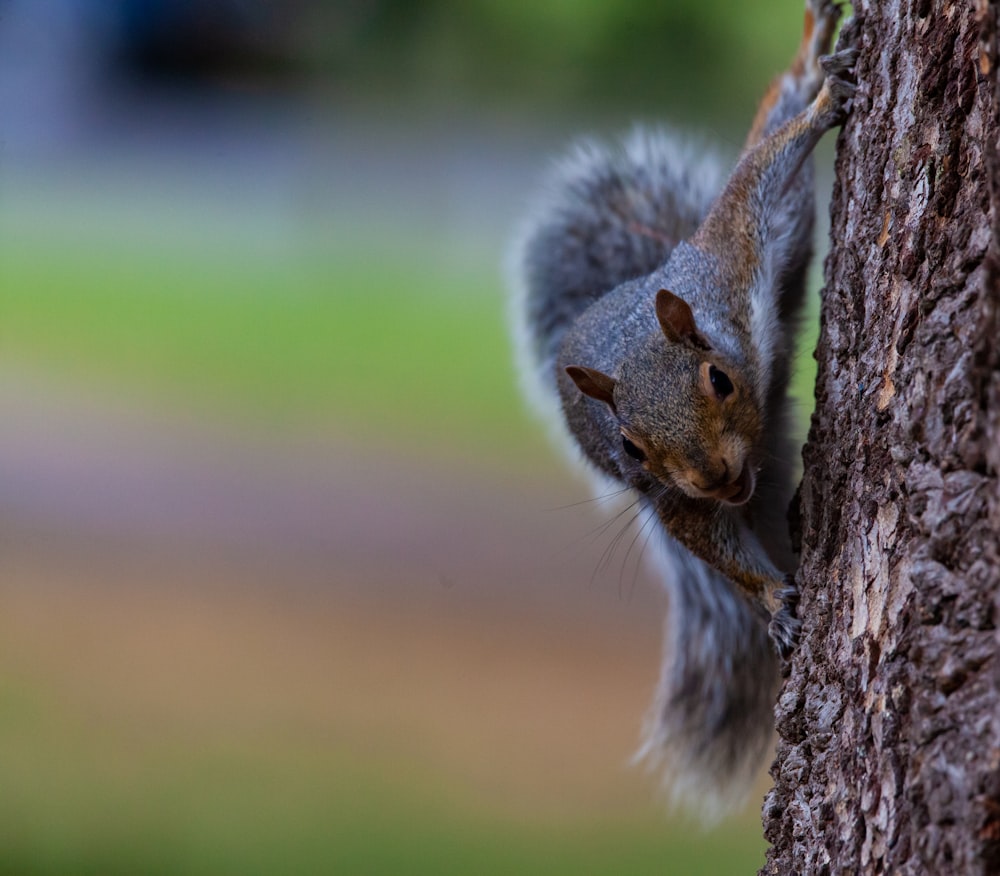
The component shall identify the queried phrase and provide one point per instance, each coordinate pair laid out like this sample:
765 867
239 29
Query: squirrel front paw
784 626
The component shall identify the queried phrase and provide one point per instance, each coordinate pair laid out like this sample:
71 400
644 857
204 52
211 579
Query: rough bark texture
889 724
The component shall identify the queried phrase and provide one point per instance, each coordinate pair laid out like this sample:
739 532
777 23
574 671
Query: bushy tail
606 215
710 729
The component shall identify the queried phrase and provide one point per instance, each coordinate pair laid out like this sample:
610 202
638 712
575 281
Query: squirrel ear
677 320
594 383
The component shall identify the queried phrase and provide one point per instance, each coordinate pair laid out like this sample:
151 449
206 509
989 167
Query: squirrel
656 314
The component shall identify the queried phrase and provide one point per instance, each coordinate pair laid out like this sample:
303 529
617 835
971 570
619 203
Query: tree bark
889 723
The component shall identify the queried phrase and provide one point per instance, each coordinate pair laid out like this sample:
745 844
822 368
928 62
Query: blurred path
81 469
179 587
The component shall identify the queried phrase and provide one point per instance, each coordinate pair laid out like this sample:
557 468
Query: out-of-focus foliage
569 53
572 52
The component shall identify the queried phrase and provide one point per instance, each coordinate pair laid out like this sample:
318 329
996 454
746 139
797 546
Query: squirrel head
685 414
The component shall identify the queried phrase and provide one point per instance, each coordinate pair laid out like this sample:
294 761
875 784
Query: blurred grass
81 799
373 343
381 347
169 732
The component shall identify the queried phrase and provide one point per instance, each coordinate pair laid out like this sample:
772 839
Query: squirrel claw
834 102
784 626
840 65
789 594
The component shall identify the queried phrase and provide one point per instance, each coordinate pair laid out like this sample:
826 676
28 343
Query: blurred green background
290 581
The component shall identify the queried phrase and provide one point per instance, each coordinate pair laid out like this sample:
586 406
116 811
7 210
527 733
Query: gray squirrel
655 315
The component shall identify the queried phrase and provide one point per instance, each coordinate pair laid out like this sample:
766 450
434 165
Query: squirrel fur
655 312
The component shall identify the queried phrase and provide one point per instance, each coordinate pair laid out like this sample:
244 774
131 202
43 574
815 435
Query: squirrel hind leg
821 19
833 104
792 91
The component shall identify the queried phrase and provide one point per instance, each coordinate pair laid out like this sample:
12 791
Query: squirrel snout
733 490
739 490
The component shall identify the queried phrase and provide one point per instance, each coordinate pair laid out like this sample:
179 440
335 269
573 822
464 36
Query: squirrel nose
740 489
721 482
734 486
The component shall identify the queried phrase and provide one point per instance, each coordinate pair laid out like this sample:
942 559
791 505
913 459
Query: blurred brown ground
174 581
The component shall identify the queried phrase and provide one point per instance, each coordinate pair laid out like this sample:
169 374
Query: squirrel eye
721 383
631 449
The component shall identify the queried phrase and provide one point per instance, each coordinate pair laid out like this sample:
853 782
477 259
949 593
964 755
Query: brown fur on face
690 418
691 438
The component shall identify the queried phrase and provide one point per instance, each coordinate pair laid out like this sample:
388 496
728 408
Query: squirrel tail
710 728
606 214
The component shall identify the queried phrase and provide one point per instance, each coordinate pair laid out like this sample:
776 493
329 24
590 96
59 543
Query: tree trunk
889 724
